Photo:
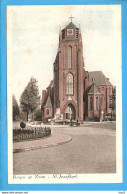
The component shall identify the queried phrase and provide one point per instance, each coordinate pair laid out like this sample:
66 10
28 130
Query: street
91 150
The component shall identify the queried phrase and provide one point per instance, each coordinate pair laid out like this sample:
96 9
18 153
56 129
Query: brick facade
70 91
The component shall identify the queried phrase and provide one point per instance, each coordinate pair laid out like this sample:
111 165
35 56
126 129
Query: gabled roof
51 85
94 89
48 103
71 25
98 78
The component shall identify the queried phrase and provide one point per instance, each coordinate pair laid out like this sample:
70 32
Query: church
74 93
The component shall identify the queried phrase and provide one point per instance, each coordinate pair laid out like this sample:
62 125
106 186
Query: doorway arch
70 112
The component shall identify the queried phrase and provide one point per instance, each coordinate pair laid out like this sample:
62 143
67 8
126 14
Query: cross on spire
71 18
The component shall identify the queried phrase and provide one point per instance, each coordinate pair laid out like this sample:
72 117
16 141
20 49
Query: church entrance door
70 112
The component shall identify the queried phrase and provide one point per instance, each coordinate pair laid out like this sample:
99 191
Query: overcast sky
33 36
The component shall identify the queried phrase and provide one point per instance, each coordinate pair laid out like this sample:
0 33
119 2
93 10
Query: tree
30 98
113 100
15 108
37 114
23 115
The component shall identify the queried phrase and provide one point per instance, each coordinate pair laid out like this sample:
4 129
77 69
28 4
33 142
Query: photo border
3 100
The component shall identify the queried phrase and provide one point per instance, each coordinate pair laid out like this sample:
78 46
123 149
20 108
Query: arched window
69 57
47 111
64 57
75 56
91 103
110 97
96 103
70 84
109 91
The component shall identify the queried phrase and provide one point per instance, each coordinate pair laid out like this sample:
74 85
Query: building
75 93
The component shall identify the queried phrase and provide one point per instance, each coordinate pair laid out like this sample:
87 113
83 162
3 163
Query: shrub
31 133
37 114
96 119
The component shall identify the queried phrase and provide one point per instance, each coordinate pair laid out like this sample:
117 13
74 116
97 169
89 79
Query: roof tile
48 103
94 89
98 78
71 25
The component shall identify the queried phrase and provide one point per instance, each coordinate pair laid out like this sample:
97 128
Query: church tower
75 94
69 74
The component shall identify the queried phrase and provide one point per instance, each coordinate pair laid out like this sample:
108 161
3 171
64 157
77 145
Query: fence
30 133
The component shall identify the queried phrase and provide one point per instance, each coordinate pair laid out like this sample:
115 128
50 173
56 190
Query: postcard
64 94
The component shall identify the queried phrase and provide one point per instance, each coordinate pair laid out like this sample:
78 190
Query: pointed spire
80 37
60 34
60 31
79 29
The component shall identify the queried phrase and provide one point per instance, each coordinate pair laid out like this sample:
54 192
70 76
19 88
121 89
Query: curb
39 147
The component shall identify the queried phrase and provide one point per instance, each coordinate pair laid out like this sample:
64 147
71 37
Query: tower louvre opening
63 34
76 33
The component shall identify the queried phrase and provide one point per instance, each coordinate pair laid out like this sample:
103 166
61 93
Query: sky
33 37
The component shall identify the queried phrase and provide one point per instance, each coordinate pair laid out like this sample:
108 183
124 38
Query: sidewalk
53 140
